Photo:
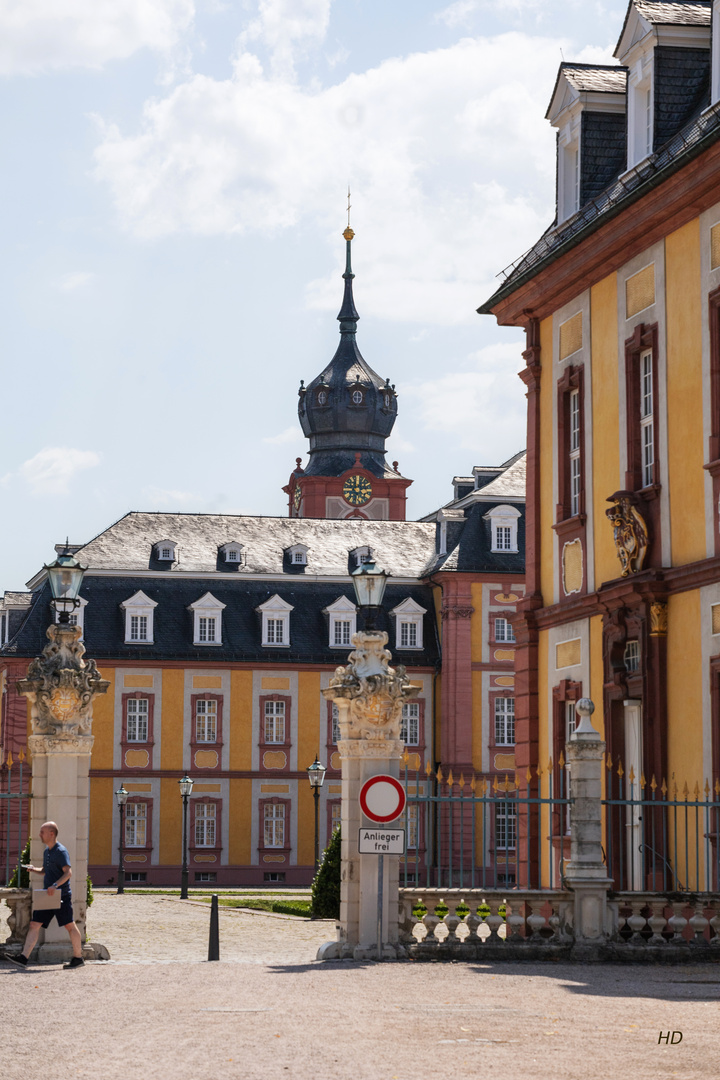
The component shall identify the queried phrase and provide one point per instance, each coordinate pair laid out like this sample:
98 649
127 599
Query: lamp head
316 774
65 575
121 795
186 785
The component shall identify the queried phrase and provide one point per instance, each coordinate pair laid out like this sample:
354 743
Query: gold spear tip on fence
664 787
643 781
707 788
428 769
528 774
717 787
561 760
450 779
21 754
550 765
439 775
631 775
620 770
653 783
472 784
507 783
461 782
406 758
9 759
686 791
608 763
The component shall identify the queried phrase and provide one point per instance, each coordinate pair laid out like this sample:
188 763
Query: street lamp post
186 786
122 797
316 775
65 575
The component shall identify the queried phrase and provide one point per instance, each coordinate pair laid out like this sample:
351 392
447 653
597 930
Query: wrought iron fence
474 832
14 801
661 838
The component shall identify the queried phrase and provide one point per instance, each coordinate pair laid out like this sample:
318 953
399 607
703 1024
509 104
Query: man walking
56 868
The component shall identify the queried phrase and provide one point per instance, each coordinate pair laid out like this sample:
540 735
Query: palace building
219 632
620 300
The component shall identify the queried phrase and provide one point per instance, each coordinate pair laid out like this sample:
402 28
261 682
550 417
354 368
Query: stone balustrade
472 923
18 900
676 922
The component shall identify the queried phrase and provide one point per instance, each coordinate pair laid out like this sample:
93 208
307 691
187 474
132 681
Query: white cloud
74 280
288 28
450 159
51 470
289 435
45 35
482 406
168 497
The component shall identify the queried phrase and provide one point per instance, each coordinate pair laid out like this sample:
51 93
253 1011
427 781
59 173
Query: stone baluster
473 921
657 923
699 925
407 920
430 921
536 921
636 921
715 923
515 922
677 923
494 921
452 920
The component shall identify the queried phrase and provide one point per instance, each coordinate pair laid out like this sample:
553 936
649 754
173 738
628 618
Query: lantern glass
186 785
121 795
369 581
65 575
316 774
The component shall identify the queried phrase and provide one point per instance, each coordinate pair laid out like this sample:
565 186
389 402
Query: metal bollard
214 943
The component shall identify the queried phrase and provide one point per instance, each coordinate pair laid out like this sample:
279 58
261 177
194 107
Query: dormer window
232 553
640 111
166 551
503 528
342 617
207 620
139 616
275 622
408 624
357 397
322 397
361 555
387 401
297 554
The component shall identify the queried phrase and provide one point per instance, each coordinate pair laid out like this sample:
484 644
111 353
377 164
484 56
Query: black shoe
17 958
76 962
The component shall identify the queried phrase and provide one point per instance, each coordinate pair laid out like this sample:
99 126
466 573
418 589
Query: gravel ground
268 1011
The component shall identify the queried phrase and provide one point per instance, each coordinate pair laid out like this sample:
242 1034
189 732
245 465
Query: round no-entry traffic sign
382 799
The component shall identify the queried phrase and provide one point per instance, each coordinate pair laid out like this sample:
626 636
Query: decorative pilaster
61 686
369 695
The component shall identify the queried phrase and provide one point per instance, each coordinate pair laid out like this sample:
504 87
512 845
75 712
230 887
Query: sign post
382 799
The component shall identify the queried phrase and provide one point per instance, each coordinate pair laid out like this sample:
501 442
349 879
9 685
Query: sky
172 202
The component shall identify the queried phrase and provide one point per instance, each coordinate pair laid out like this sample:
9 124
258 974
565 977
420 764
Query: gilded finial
348 234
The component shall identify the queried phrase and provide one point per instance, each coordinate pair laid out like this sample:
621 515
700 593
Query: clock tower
347 413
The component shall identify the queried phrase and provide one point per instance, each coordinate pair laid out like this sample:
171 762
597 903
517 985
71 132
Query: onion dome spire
348 316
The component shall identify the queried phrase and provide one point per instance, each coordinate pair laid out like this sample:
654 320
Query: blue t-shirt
54 859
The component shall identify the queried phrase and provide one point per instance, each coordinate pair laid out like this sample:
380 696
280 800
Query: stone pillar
586 872
369 695
61 686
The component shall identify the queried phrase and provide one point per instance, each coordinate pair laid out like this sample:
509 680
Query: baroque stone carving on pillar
61 686
629 531
369 695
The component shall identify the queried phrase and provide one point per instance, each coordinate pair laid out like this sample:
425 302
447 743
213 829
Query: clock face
357 490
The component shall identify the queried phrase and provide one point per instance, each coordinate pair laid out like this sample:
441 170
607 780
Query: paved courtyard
269 1011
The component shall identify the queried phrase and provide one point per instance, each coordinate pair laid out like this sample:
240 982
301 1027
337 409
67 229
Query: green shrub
24 882
326 883
292 907
90 896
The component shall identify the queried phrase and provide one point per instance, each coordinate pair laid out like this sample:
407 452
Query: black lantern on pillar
369 581
65 575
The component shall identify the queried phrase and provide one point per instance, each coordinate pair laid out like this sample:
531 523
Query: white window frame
503 518
232 553
504 629
207 608
138 716
631 656
647 418
297 554
203 717
274 825
505 826
361 555
166 545
410 723
139 606
274 611
136 817
274 722
569 173
504 710
408 625
206 825
341 613
574 453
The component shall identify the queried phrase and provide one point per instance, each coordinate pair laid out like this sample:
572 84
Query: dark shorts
63 914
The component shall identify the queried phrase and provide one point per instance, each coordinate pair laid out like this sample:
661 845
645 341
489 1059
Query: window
274 875
387 401
205 720
322 398
632 656
138 628
205 820
274 823
504 721
357 397
298 557
571 720
342 615
335 720
139 618
135 824
232 553
207 620
341 632
274 730
647 437
505 826
297 554
408 624
410 724
232 556
138 876
205 875
137 720
412 825
503 528
574 452
275 614
504 630
165 551
335 816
